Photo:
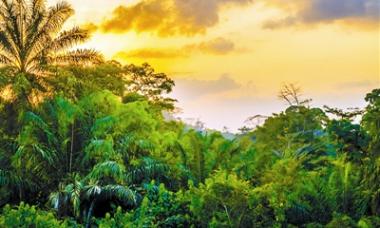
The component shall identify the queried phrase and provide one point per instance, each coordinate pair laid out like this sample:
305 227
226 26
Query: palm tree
30 36
80 196
195 150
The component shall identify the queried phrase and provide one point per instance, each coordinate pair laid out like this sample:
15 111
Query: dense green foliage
98 153
95 150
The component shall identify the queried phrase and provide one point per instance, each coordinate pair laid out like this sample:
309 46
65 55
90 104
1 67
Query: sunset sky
229 58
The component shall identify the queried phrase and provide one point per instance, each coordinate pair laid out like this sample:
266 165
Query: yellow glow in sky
242 50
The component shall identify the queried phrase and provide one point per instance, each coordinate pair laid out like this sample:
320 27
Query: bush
341 220
28 216
369 222
159 208
223 201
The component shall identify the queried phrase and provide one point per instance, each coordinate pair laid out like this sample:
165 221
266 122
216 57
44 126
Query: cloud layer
194 88
326 11
147 53
192 17
167 17
217 46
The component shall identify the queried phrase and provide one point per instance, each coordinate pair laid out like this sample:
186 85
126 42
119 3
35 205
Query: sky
229 58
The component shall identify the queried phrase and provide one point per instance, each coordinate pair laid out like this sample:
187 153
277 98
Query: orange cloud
147 53
90 27
217 46
167 17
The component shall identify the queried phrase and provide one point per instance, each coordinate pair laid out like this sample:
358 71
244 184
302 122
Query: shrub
29 216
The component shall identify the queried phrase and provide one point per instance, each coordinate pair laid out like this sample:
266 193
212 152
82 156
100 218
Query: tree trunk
89 214
71 147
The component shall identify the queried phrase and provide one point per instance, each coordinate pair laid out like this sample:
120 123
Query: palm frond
74 192
108 169
55 198
68 39
13 26
37 6
4 10
147 171
121 192
37 37
47 154
57 16
102 125
80 56
8 44
92 190
4 177
11 179
38 121
5 59
99 150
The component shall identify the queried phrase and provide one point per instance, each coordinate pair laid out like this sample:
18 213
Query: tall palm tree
31 36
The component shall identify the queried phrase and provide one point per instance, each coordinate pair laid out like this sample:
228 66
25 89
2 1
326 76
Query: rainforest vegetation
84 142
